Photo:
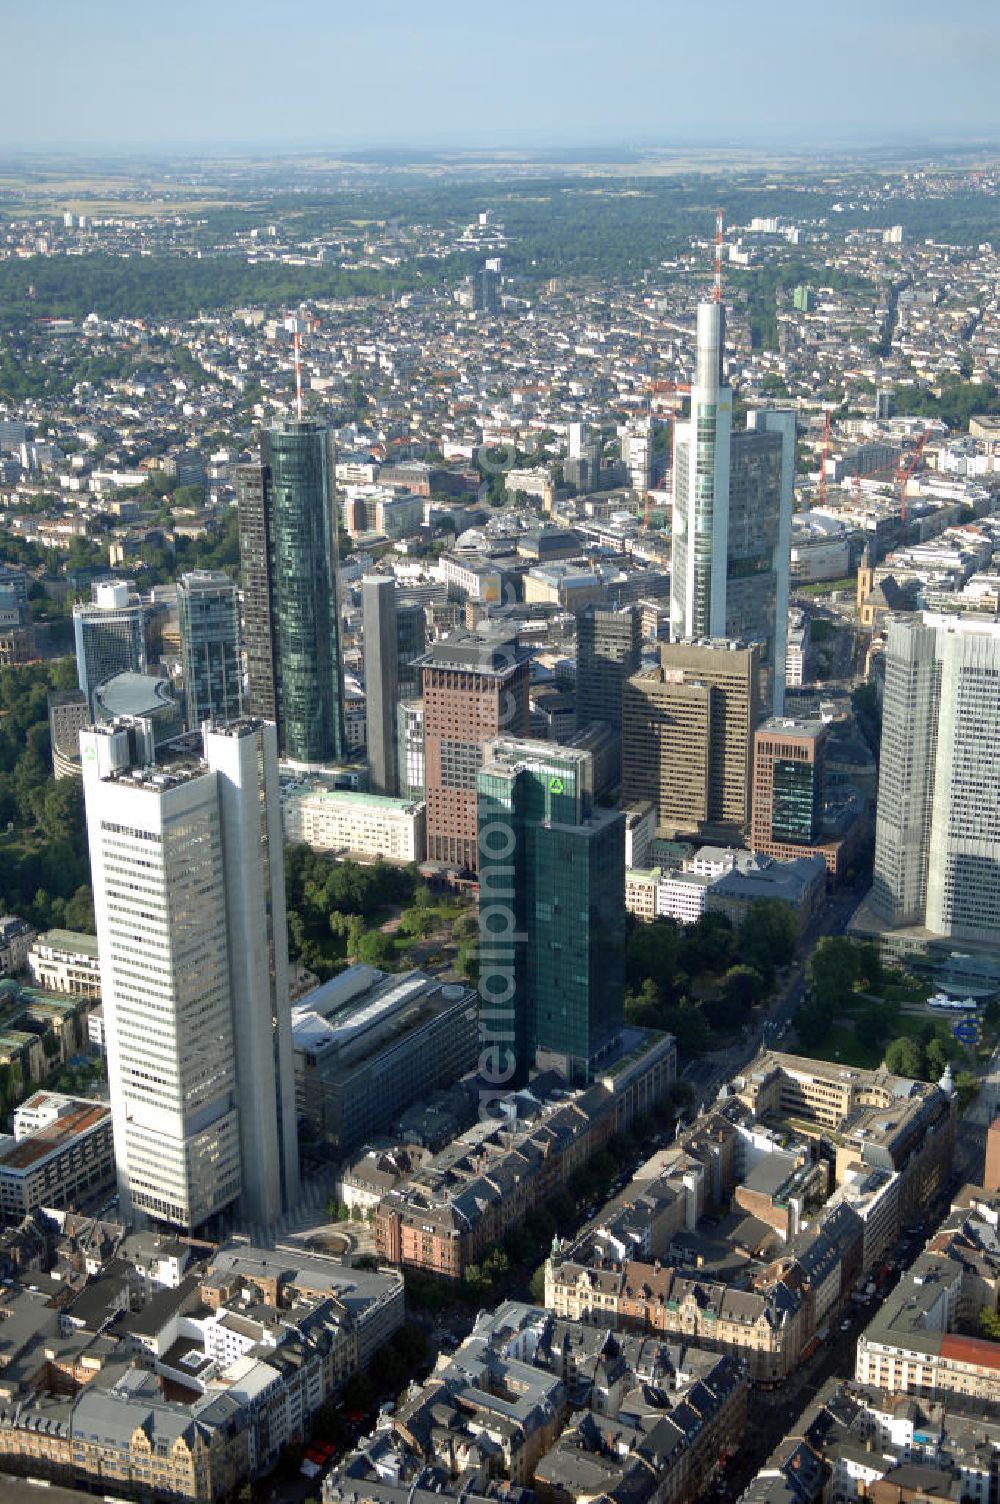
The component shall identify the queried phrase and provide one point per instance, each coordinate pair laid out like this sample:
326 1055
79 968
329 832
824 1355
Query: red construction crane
903 473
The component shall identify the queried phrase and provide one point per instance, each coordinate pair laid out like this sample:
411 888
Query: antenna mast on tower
297 327
717 286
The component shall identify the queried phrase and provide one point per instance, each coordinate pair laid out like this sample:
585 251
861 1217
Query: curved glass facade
298 463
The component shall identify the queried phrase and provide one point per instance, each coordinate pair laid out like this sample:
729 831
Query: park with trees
859 1011
703 980
340 911
44 865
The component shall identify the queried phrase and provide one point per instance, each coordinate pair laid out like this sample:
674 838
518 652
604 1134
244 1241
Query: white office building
637 452
937 833
186 862
796 649
732 516
363 825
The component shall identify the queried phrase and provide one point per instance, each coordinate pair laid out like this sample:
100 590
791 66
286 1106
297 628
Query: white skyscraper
937 841
189 898
732 516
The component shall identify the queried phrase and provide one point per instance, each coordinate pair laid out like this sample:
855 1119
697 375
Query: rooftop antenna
717 286
297 327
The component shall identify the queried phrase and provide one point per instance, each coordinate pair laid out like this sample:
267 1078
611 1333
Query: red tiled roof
53 1136
974 1350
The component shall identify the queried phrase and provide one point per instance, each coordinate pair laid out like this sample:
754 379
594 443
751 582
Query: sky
314 75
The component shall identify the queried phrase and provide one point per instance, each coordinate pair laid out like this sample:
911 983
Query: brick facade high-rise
991 1168
475 688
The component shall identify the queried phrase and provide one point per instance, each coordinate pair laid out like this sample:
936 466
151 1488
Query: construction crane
903 474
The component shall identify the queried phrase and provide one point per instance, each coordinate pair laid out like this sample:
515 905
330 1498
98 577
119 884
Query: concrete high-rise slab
937 833
378 595
687 737
186 861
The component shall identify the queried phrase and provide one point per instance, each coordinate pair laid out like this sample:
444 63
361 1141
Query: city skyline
538 1027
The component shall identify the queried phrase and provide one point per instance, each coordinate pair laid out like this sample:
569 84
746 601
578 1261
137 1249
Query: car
844 1325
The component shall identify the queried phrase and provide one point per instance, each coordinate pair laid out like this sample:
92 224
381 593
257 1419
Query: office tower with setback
475 688
186 861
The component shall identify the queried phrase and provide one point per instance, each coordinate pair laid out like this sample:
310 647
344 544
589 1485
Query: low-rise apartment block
369 826
867 1118
141 1385
456 1206
751 1230
66 961
857 1442
925 1339
61 1152
744 879
533 1406
16 936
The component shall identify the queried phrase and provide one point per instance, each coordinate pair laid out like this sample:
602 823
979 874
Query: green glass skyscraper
552 913
288 544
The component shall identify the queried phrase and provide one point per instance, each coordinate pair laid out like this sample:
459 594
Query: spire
717 285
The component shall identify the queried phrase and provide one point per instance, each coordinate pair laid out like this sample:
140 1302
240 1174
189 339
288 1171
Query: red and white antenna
297 327
717 286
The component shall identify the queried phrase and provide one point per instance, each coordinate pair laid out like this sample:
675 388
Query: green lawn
825 587
843 1044
904 989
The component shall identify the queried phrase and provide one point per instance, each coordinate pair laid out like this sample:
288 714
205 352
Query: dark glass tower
258 599
552 912
608 652
411 644
288 542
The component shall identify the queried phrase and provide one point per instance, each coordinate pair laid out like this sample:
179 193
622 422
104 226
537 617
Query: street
706 1074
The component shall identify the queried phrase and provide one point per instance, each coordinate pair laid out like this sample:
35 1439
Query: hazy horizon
294 76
